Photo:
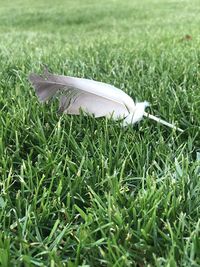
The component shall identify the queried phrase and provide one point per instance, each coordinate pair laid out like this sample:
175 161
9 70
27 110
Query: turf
80 191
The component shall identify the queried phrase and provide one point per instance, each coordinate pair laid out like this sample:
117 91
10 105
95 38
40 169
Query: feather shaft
162 121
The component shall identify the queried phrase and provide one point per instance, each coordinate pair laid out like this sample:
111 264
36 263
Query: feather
92 97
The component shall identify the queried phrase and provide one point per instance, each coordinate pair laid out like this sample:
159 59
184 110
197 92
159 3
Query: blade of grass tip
162 121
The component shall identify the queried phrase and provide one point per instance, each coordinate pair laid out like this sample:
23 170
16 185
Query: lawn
80 191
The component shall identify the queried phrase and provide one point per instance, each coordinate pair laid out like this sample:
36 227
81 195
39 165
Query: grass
79 191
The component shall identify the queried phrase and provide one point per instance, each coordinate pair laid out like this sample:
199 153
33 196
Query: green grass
79 191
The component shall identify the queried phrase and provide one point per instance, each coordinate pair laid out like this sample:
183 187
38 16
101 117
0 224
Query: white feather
96 98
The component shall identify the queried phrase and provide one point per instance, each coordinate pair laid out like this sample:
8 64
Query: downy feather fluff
92 97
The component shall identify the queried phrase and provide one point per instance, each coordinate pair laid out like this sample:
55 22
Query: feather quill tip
152 117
